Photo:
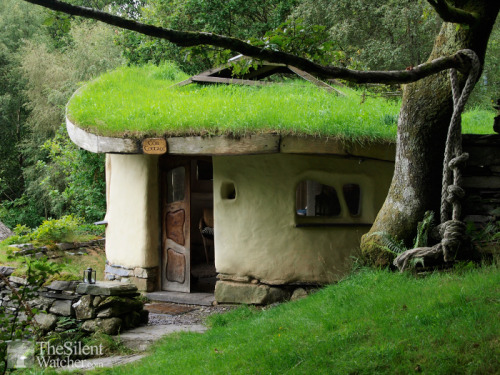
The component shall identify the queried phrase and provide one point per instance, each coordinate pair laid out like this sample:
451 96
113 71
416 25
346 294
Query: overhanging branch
451 14
187 39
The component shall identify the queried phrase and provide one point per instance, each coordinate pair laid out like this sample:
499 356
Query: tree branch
451 14
187 39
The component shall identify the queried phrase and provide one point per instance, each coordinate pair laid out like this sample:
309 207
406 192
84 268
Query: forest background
45 57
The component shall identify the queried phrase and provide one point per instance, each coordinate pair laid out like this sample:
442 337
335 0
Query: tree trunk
422 127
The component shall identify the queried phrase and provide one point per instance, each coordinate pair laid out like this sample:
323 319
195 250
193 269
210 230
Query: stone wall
63 305
57 251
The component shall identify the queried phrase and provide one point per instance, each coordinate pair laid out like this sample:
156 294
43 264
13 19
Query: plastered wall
132 233
256 233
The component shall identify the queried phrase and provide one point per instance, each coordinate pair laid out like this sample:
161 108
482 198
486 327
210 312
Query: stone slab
63 285
252 294
200 299
61 307
70 297
142 337
6 271
106 289
95 363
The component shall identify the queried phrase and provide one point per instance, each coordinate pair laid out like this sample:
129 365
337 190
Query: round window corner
228 191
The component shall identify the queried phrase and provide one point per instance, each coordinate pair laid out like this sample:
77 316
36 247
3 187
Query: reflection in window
316 199
175 184
352 196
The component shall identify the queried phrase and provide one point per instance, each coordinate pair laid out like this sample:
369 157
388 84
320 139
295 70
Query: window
316 199
352 197
175 184
228 191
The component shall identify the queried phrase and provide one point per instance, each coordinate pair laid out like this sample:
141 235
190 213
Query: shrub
60 230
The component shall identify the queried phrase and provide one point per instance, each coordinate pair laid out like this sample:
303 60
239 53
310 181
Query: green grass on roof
140 101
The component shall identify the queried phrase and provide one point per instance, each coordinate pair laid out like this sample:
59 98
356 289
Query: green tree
379 34
237 18
39 75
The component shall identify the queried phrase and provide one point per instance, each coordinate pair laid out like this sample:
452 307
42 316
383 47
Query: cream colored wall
132 233
256 233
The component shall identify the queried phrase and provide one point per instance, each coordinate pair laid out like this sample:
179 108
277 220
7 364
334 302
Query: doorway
187 224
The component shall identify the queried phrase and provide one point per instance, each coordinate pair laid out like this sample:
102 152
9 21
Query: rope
451 229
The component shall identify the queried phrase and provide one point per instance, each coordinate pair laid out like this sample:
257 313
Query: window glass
352 196
316 199
176 184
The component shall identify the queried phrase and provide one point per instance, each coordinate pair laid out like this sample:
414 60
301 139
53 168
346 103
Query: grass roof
141 102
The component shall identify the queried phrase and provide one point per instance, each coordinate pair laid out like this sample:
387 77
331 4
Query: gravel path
196 316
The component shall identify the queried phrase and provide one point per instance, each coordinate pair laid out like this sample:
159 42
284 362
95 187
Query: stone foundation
146 279
238 289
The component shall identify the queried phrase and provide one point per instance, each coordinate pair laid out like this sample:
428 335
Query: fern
423 229
390 243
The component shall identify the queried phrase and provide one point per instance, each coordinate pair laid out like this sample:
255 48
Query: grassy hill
373 322
141 101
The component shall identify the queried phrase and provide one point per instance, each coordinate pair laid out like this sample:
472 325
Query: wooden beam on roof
224 145
314 80
234 81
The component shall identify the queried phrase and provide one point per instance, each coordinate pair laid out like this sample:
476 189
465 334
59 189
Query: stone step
139 339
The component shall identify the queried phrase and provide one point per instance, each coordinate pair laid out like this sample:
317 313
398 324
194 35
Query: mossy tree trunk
422 127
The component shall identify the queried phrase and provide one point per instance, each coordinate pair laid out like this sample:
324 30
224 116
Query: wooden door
176 225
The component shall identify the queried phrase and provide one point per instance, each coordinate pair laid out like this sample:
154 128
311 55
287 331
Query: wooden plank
98 144
182 83
223 145
317 82
332 146
229 81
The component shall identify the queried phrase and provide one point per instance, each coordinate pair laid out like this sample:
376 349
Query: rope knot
455 193
454 233
458 161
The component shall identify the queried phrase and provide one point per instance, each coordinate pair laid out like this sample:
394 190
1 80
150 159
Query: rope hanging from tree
451 229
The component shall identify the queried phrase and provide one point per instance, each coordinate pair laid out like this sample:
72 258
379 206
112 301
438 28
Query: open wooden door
176 273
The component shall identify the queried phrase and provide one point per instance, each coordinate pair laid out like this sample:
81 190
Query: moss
373 251
63 276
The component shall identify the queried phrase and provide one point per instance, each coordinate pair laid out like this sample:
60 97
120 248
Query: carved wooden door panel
175 226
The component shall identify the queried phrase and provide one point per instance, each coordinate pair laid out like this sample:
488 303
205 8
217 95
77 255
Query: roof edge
266 143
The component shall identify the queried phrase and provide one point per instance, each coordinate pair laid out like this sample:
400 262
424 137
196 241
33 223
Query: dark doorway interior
203 275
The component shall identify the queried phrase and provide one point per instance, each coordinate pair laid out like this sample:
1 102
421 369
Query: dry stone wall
64 305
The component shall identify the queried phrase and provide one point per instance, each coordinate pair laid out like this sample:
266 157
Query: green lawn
374 322
140 101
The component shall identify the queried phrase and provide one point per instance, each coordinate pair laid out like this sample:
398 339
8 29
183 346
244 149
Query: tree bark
422 127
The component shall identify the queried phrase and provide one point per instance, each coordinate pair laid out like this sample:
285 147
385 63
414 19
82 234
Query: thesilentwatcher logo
68 354
26 354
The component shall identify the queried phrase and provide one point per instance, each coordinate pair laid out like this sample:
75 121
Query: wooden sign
155 146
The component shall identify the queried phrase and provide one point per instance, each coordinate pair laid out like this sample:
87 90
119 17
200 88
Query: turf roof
142 102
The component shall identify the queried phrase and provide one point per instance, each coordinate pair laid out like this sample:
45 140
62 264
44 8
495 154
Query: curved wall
132 233
256 233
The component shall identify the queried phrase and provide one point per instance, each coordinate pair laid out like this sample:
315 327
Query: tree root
435 252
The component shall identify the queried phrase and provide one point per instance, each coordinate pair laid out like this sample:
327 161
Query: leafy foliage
239 18
17 320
